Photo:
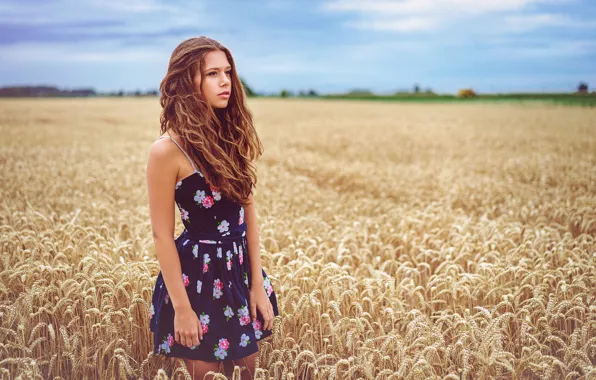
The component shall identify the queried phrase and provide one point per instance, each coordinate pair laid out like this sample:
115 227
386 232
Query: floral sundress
216 273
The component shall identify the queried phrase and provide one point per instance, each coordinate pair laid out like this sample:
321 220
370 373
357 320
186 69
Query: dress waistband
211 237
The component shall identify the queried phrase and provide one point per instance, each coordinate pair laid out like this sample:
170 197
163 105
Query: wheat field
404 241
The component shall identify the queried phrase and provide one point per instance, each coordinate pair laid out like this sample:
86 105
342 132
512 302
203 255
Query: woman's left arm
252 237
258 295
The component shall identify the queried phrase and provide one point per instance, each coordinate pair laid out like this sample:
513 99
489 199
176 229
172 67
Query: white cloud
66 53
131 6
407 24
527 22
409 7
421 15
96 31
128 16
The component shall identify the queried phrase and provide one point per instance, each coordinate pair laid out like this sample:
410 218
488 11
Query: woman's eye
213 72
229 72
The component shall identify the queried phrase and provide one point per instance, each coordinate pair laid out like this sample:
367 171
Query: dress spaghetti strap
186 154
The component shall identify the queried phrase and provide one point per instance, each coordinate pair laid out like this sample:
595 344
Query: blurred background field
426 200
404 240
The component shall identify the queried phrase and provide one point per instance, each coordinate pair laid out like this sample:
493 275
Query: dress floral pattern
216 274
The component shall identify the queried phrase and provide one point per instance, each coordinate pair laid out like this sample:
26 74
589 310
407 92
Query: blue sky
327 45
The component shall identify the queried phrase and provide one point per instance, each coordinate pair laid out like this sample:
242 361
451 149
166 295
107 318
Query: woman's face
216 85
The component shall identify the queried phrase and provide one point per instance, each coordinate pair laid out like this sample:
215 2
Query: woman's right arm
161 181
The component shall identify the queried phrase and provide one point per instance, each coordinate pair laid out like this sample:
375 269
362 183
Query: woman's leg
247 366
198 368
228 367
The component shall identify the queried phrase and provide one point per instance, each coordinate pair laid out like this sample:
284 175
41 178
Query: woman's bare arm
162 172
252 237
258 296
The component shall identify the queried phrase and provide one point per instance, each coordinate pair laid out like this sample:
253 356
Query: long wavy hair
222 142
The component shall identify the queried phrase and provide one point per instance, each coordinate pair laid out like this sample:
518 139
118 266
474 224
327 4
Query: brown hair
223 143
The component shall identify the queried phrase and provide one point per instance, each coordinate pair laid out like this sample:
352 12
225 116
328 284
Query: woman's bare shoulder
163 149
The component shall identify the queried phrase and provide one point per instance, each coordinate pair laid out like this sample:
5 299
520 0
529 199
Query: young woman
212 301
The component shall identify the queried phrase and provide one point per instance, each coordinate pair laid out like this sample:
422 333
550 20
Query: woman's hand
187 327
259 299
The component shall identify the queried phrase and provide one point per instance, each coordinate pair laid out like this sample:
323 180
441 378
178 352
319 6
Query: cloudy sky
327 45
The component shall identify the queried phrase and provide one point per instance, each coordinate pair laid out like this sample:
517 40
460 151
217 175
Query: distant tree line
131 93
301 93
43 91
416 91
52 91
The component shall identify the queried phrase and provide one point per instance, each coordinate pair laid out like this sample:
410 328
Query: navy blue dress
216 272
